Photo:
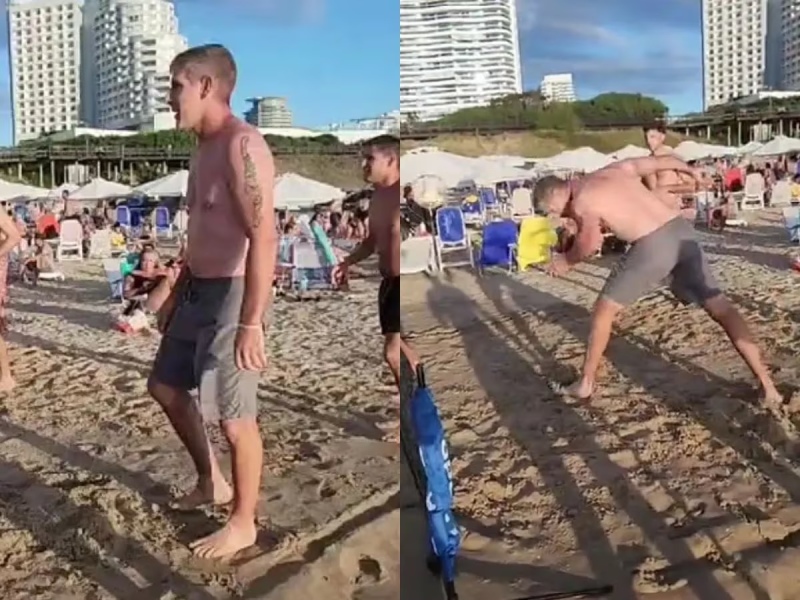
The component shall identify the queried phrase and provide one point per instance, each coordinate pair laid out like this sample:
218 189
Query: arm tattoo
251 188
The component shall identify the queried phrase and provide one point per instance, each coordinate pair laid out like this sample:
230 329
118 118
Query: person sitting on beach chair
147 287
42 261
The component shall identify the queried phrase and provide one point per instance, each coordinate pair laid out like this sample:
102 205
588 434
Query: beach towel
499 242
324 243
536 238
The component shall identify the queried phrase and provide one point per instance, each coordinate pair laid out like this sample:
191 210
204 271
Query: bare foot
390 430
772 398
235 536
217 494
580 390
7 384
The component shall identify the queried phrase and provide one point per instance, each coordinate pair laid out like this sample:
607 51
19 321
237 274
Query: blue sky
333 59
616 45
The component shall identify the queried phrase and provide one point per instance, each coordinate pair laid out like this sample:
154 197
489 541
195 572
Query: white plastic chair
70 241
521 203
181 221
781 193
113 269
754 189
100 244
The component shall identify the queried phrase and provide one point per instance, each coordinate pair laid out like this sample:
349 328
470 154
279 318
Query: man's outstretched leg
723 312
603 315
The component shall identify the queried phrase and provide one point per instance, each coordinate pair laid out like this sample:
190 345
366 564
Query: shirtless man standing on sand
663 247
213 321
669 185
381 164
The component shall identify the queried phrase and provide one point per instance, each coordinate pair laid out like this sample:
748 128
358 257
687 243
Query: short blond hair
211 60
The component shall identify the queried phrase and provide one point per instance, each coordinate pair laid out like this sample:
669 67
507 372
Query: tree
182 140
531 110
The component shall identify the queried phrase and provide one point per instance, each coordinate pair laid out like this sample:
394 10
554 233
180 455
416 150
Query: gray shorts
672 255
197 350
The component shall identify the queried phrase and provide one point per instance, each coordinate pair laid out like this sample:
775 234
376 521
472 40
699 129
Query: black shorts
389 305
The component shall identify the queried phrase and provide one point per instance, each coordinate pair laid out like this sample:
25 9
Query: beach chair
100 244
452 236
310 269
284 267
791 221
163 224
124 218
521 202
535 242
498 245
417 255
113 269
704 202
473 209
181 221
781 193
489 198
70 241
754 191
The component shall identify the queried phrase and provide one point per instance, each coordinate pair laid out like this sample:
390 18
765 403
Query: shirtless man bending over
663 247
381 164
213 321
669 185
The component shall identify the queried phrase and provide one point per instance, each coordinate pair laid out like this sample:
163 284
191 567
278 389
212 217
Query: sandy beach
89 462
670 483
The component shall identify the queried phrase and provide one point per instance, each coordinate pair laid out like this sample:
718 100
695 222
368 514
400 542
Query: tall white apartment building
128 47
457 54
45 65
790 44
742 50
558 88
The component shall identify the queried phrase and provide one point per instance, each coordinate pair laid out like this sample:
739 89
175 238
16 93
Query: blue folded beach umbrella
435 459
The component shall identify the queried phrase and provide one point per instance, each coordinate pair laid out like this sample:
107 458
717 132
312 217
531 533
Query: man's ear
206 85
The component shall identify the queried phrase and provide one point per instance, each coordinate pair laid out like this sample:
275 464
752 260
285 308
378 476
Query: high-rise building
558 87
790 44
269 111
457 54
45 65
742 49
128 48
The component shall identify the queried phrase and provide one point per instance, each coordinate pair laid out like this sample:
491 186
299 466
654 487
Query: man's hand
558 266
340 273
249 351
165 313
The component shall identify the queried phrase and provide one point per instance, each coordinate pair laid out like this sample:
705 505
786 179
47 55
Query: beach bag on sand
434 482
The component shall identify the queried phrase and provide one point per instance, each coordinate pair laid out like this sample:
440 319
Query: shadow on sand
557 420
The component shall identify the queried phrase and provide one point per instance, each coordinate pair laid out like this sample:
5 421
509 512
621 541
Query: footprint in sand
369 571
